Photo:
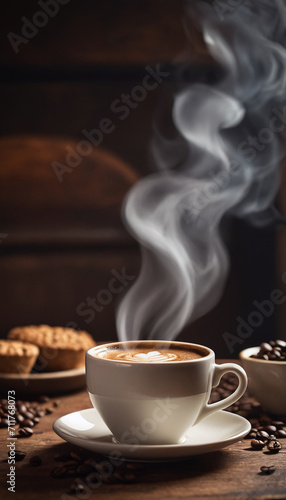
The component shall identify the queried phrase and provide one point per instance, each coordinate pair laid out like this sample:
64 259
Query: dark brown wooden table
232 472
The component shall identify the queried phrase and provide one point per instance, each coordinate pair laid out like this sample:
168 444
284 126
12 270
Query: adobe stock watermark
224 7
46 355
104 297
265 135
103 471
246 326
206 193
201 197
40 19
100 473
121 107
136 435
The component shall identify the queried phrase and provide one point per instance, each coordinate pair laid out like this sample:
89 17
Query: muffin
17 357
60 348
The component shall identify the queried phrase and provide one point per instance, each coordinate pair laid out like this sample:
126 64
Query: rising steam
231 163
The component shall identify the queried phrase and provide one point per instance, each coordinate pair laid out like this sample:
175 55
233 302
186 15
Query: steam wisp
176 212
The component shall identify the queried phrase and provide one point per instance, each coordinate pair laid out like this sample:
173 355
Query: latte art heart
148 357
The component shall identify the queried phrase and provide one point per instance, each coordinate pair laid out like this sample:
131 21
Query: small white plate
44 383
86 429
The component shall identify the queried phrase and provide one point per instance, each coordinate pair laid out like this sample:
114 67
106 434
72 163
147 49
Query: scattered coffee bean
43 399
251 435
267 469
3 422
84 469
19 455
36 420
76 489
262 435
256 444
35 461
59 471
40 413
278 424
25 432
75 456
274 446
27 423
19 417
49 411
123 477
21 407
56 404
28 415
270 429
281 433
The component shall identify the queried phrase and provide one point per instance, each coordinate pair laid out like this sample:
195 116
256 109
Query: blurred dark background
64 67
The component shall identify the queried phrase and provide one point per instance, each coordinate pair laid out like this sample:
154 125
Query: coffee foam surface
149 356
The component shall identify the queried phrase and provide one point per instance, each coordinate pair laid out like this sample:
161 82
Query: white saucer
86 429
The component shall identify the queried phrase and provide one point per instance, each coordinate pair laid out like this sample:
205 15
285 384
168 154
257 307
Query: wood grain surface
232 473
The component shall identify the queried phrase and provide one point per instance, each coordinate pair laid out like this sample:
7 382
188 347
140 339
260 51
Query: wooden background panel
91 33
52 287
66 109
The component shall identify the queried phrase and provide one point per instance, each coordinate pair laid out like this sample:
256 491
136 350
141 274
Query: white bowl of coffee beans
265 366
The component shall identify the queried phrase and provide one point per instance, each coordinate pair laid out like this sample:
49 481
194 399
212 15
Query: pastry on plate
60 348
17 356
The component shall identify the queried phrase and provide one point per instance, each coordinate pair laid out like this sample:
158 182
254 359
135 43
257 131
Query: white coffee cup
156 402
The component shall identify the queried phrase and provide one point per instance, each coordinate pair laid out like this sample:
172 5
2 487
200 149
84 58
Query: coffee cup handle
218 372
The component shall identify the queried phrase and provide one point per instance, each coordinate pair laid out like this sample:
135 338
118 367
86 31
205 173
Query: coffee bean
21 408
59 471
274 446
123 477
56 404
76 489
265 347
25 432
19 455
27 423
43 399
281 343
19 418
28 415
84 469
36 420
281 433
262 435
35 460
278 424
40 413
3 422
256 444
250 435
270 429
49 411
75 456
277 352
267 469
273 351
